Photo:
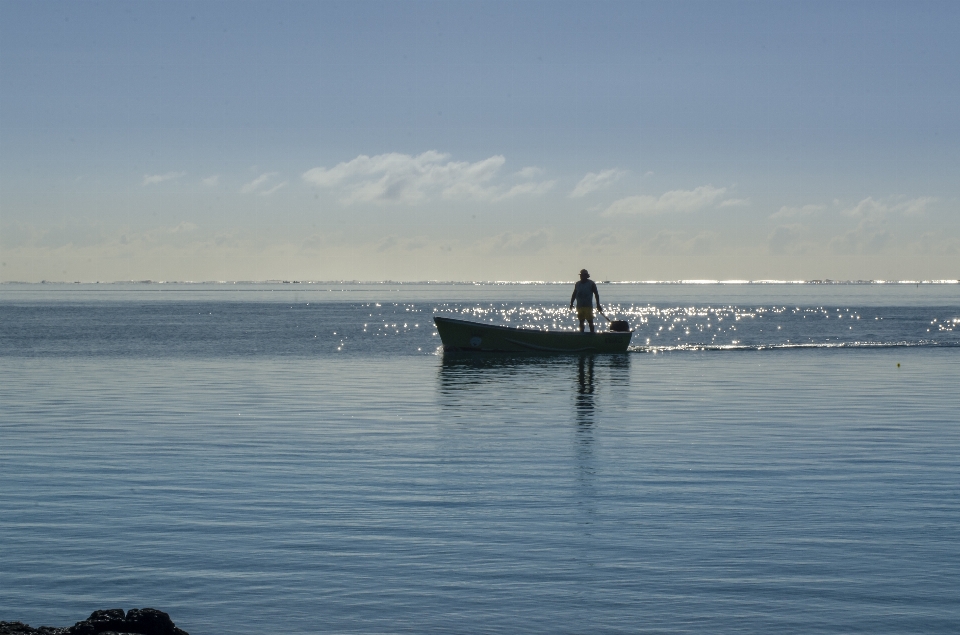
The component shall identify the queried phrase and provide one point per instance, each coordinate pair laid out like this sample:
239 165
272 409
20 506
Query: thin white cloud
211 181
252 186
273 189
918 206
152 179
936 243
869 208
407 179
530 172
533 188
674 201
735 202
794 212
869 237
594 181
672 242
510 242
183 227
872 208
785 238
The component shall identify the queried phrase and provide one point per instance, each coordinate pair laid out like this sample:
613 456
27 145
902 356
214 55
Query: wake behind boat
465 335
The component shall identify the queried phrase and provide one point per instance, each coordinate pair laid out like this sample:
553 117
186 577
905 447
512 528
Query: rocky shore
108 622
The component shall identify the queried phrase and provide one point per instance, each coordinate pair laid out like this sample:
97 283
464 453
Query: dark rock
107 614
106 622
99 622
151 622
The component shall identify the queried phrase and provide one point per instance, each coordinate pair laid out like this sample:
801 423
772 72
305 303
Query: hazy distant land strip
484 282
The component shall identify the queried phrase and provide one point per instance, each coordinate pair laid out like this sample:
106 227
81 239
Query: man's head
584 274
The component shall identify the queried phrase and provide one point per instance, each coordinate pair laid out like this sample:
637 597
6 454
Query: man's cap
584 272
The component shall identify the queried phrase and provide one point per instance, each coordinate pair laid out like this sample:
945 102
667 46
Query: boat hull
464 335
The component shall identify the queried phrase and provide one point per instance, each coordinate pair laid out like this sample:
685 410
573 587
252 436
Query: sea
304 458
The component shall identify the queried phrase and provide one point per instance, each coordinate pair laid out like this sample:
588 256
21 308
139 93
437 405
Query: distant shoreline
480 282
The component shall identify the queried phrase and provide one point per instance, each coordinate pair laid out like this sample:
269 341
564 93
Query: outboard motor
620 326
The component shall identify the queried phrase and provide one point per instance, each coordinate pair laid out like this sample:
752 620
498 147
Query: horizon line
820 281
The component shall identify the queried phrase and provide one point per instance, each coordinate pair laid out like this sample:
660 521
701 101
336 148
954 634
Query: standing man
584 292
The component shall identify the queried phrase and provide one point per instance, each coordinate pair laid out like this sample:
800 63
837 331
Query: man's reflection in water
584 409
584 403
615 380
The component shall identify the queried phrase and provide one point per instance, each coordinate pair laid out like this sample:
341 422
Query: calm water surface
283 460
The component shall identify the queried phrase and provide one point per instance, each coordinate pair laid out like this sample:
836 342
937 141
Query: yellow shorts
585 313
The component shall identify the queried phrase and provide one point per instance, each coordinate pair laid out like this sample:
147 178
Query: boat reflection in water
505 402
505 383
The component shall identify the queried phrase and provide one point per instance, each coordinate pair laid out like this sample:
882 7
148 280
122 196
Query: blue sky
479 140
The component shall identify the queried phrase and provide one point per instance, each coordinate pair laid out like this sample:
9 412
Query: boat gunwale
517 328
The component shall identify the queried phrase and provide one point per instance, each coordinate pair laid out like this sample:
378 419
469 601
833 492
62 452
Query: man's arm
596 294
574 295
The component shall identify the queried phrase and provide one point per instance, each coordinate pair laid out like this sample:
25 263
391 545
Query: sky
501 140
